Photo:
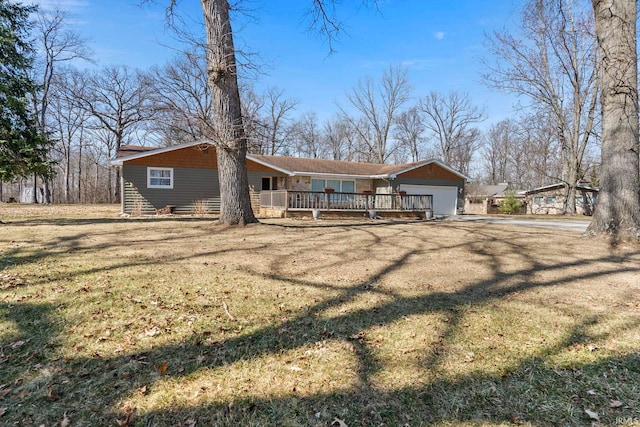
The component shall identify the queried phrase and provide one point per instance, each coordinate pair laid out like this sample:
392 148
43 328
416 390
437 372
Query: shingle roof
489 190
332 167
129 150
295 165
579 186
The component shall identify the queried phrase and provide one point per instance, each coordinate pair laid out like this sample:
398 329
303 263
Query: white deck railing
309 200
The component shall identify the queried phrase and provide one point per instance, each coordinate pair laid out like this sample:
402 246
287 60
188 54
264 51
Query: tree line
83 116
88 114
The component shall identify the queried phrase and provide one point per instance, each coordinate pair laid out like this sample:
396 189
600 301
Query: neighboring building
185 179
550 199
486 199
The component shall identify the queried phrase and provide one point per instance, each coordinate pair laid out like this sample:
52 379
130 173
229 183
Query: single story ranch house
550 199
184 179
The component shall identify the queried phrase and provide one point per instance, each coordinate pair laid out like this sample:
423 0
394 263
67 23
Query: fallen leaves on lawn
152 332
163 368
66 421
616 404
4 390
338 422
18 344
592 415
128 414
226 310
52 396
8 281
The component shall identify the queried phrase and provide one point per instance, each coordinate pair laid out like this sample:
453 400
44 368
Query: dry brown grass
179 321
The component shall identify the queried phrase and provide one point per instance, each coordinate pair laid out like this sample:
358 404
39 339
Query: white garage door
445 199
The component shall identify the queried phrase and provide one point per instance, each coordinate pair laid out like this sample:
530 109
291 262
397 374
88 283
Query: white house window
160 178
340 186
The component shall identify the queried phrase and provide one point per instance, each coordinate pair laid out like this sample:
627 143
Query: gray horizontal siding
194 190
190 186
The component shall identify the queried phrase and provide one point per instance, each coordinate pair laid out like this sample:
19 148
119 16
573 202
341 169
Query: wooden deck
288 203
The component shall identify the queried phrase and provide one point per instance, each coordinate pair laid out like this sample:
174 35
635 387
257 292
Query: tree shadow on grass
529 391
68 221
533 393
83 243
28 346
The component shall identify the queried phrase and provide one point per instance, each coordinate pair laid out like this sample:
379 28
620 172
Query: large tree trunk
67 176
80 184
96 184
617 213
34 196
46 195
116 193
110 184
228 131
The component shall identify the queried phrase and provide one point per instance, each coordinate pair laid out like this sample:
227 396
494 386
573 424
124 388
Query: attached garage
445 184
445 198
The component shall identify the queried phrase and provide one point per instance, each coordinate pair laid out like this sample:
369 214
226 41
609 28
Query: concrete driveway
571 225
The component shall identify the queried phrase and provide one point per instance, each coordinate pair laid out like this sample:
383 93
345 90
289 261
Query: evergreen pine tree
23 151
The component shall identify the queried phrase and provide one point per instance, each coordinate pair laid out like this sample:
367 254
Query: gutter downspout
389 185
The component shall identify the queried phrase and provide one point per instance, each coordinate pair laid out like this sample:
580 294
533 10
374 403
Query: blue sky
440 43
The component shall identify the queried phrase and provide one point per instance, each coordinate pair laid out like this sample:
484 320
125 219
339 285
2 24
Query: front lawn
108 321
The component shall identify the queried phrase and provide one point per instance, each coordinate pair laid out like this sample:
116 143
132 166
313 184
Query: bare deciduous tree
501 139
56 44
539 141
182 98
378 105
307 137
450 120
340 138
252 104
617 213
119 99
409 132
266 118
228 129
277 126
523 152
67 121
552 62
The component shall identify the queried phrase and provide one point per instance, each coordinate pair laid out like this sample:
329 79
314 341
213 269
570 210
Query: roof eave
269 165
338 175
119 161
429 161
558 186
